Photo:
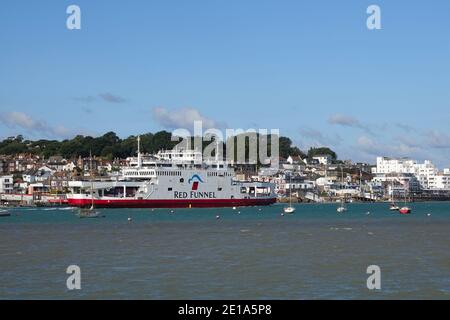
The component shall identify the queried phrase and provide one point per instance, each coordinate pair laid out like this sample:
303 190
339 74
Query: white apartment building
323 159
6 184
440 181
386 165
426 173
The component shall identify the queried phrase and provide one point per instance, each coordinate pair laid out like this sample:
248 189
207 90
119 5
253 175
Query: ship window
219 189
181 180
169 189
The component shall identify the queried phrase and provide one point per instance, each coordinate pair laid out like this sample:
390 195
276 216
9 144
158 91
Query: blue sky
309 68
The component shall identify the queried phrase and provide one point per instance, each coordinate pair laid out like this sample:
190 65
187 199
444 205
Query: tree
111 146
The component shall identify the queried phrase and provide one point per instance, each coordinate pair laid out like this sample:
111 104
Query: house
294 160
59 181
69 166
43 173
38 187
56 163
6 184
105 166
29 176
3 166
88 164
323 159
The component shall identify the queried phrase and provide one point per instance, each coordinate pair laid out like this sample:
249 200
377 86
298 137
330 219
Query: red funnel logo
195 181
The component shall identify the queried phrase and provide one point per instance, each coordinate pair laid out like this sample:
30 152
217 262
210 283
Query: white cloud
344 120
16 119
394 149
106 96
348 121
318 139
112 98
436 139
369 146
182 118
23 121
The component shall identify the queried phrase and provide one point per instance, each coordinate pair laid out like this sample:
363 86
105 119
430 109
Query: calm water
255 254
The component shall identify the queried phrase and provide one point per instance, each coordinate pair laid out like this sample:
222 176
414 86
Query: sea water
246 253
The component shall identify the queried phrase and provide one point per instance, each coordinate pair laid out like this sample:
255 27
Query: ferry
171 179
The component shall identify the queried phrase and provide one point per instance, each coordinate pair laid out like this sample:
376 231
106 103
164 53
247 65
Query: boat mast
392 191
360 182
342 187
139 151
290 190
90 177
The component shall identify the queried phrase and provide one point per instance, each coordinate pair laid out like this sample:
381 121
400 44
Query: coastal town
30 179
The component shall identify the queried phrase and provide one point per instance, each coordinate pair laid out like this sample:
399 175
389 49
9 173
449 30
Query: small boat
342 207
88 213
290 209
394 207
405 210
91 212
4 213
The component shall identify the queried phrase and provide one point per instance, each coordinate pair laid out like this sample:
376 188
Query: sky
311 69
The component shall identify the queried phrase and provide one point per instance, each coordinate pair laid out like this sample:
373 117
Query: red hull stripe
212 203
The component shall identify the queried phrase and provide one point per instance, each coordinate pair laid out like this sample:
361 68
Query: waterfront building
419 176
6 184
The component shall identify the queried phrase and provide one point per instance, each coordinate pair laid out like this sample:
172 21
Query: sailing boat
90 212
393 206
4 213
342 207
405 209
289 209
